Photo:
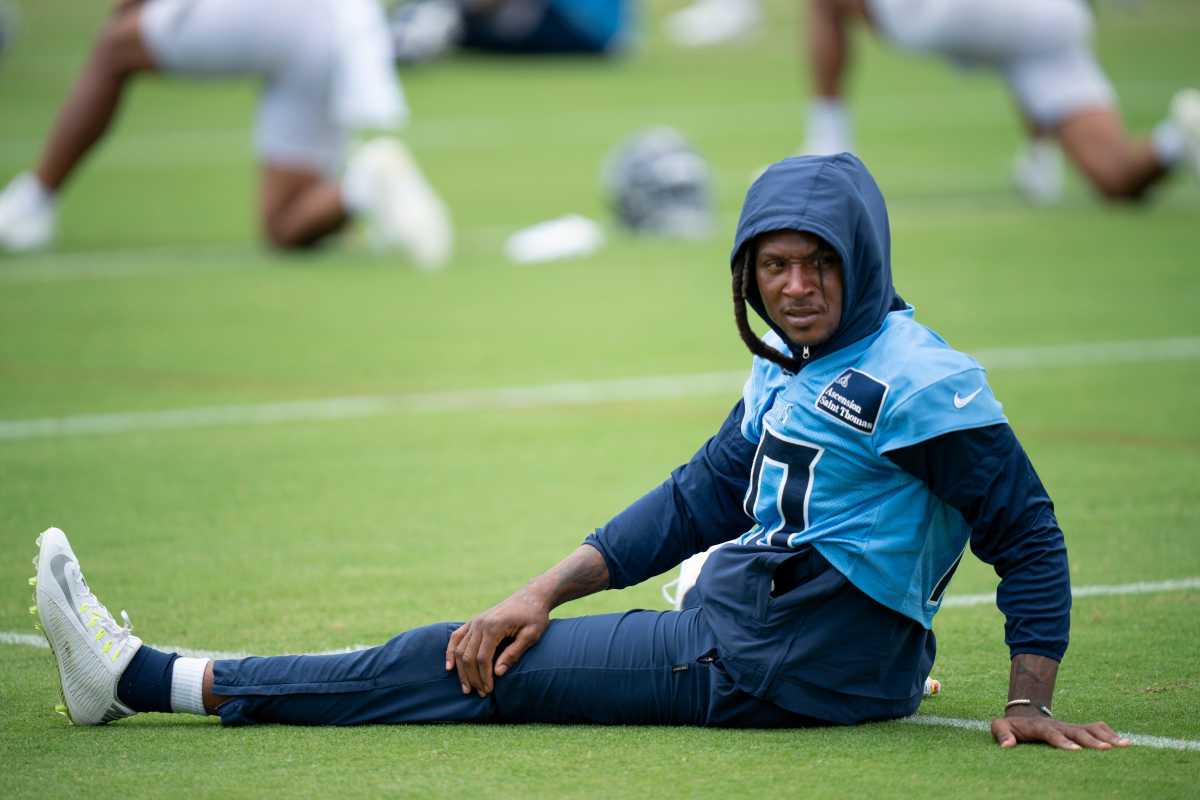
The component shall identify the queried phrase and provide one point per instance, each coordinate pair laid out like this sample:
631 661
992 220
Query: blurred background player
423 30
1043 50
327 72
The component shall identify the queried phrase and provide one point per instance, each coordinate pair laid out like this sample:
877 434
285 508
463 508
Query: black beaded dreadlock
744 287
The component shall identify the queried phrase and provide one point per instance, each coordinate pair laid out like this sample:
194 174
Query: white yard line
1139 739
1143 587
557 394
39 641
1099 590
189 259
427 133
129 262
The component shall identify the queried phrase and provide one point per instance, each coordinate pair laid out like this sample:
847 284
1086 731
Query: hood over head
835 198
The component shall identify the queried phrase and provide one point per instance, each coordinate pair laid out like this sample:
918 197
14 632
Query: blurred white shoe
1185 114
424 30
402 210
28 215
710 22
90 648
1038 172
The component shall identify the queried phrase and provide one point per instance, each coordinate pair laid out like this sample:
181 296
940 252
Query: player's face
800 280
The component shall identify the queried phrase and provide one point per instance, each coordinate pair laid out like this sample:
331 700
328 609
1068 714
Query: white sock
356 190
187 685
829 128
31 191
1168 142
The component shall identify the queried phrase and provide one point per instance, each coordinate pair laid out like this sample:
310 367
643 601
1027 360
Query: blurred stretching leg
119 54
1118 166
299 206
829 128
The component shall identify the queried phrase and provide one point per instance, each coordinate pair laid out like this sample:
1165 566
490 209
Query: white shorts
326 66
1042 47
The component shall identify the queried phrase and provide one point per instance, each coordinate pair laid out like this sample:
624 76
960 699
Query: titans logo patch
854 398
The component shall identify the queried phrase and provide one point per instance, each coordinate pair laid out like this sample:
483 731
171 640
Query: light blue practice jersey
820 473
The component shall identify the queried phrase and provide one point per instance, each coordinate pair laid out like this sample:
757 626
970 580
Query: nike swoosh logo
56 569
961 402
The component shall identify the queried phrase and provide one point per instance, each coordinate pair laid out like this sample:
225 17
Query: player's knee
1118 185
281 236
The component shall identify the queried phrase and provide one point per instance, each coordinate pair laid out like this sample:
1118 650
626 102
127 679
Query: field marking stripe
37 640
1139 739
527 397
1141 587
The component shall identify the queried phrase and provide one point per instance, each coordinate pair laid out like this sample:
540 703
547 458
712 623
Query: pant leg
636 668
641 667
984 31
403 680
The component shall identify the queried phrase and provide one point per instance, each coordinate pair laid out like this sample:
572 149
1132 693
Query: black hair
745 291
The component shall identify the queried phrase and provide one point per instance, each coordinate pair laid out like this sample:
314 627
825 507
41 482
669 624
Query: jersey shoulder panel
933 388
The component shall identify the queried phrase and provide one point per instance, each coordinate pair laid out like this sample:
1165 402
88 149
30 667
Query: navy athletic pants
640 667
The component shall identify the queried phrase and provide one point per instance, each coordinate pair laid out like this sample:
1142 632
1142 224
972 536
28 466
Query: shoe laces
112 636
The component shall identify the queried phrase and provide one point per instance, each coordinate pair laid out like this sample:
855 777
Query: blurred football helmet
659 185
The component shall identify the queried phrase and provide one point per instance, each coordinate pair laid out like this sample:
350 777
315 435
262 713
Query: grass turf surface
315 535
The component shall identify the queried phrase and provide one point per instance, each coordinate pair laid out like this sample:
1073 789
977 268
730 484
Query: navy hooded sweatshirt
830 651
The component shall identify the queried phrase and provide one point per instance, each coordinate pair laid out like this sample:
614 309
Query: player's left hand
521 620
1009 731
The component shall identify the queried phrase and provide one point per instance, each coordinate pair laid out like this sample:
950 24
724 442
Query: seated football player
857 426
327 76
1043 49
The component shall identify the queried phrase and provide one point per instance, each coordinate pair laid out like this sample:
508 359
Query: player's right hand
522 618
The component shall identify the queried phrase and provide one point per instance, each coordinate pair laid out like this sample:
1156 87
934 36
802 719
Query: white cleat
403 212
1038 173
1185 114
28 216
711 22
932 687
90 648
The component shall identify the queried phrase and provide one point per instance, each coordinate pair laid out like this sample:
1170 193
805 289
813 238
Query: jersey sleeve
958 401
697 506
986 475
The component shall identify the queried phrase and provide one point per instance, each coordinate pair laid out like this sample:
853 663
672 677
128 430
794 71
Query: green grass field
315 534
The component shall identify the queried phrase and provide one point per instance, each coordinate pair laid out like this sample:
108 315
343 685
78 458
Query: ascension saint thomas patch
854 398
